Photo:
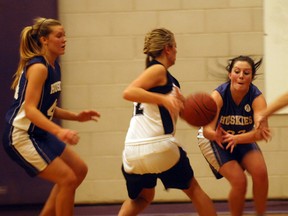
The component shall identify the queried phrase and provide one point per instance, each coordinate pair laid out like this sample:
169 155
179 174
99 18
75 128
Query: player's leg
67 172
76 163
256 167
235 175
132 207
200 199
50 204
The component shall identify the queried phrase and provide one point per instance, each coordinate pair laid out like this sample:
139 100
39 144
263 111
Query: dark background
16 187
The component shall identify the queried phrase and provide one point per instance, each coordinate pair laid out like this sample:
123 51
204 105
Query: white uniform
150 138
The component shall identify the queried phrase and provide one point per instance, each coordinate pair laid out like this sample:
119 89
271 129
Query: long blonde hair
30 45
155 41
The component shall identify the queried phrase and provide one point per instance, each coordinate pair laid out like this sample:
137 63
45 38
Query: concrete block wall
104 53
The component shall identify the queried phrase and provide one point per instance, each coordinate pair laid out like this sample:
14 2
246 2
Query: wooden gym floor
275 208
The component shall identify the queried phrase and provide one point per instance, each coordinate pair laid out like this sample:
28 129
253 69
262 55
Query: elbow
28 112
126 95
206 134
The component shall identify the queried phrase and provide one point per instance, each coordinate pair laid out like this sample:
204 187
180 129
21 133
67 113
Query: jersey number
50 111
138 109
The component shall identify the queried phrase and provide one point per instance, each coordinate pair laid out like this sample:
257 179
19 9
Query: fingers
88 115
94 113
220 144
174 105
70 137
231 145
266 134
94 118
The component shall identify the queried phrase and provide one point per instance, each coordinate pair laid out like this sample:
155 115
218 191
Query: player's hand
177 93
266 134
230 139
68 136
261 126
218 136
260 120
88 115
174 104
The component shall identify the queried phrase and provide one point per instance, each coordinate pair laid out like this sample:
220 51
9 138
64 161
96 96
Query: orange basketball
199 109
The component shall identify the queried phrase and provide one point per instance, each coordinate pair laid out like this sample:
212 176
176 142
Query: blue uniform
151 150
235 119
29 145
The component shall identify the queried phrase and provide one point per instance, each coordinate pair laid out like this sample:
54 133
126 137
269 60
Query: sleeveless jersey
234 118
50 93
152 120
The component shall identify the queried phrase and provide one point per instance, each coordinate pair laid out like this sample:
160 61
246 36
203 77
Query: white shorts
151 156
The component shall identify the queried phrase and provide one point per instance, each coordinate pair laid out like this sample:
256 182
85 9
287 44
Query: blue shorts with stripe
216 156
32 152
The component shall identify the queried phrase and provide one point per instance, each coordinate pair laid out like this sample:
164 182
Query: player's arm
276 105
212 131
82 116
36 76
153 76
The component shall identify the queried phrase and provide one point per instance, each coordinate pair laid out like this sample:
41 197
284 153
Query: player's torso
47 103
234 118
151 120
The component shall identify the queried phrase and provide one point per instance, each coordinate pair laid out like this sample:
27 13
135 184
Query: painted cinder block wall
104 53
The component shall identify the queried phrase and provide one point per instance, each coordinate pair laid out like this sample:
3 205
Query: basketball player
151 150
229 142
31 139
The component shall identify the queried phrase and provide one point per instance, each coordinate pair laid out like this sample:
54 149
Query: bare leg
200 199
233 172
256 167
67 172
134 207
50 204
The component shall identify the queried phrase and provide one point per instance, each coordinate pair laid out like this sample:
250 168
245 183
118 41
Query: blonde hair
30 45
155 41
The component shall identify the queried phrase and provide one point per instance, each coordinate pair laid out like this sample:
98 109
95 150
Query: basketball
199 109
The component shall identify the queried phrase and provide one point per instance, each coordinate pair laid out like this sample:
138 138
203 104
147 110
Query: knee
69 180
145 199
260 174
239 183
82 172
146 196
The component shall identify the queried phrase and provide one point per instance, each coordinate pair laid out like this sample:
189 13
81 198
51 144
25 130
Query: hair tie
40 26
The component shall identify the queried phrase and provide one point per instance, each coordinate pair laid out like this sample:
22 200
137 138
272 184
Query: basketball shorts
150 155
216 156
179 177
33 153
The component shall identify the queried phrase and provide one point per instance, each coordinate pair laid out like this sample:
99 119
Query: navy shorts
223 156
179 177
32 152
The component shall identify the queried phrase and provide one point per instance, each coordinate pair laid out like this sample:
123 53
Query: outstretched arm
85 115
276 105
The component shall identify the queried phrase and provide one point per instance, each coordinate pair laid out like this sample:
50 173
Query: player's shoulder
37 59
254 89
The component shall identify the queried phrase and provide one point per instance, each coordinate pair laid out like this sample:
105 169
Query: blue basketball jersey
50 93
234 118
